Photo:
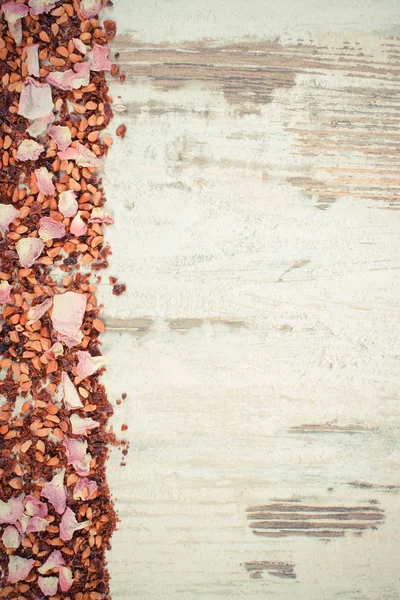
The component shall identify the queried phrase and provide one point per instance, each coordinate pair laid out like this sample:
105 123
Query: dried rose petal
81 155
81 426
80 486
90 8
77 78
87 364
5 290
67 204
39 126
19 568
56 492
71 396
11 510
98 58
29 150
71 79
8 214
36 312
22 523
44 181
38 7
48 585
14 13
57 349
11 537
65 578
35 100
54 560
77 456
99 215
78 227
61 135
34 507
36 524
80 46
49 229
32 55
69 525
29 249
56 79
67 317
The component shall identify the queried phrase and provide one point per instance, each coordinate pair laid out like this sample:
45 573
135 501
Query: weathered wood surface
256 196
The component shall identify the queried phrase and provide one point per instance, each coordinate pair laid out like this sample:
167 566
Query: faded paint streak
143 325
283 519
276 569
330 428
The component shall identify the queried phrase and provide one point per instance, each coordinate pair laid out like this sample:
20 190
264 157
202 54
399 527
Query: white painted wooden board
257 230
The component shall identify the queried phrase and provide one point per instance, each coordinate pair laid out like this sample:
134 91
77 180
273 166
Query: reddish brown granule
119 289
124 427
31 443
120 131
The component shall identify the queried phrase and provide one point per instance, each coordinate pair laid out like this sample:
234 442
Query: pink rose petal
11 537
80 486
81 155
56 79
36 524
81 426
98 58
5 290
69 525
14 13
22 523
29 249
80 46
39 126
32 55
99 215
56 492
87 364
19 568
35 100
11 510
34 507
77 456
78 227
38 7
57 349
71 79
77 78
90 8
67 204
48 585
8 214
66 578
36 312
61 135
44 181
49 229
68 312
29 150
55 559
71 396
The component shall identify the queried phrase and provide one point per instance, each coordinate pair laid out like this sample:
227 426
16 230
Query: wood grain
257 231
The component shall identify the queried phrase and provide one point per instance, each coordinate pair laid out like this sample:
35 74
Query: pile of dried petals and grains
56 515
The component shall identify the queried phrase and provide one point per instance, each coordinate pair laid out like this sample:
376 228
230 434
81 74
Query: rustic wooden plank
256 199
